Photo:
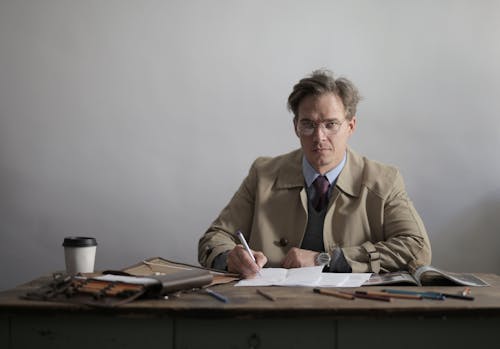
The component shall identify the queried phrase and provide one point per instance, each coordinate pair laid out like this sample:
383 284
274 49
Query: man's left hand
297 257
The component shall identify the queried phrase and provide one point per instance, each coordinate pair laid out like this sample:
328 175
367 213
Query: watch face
323 258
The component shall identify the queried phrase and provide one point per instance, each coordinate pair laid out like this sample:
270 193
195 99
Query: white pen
244 243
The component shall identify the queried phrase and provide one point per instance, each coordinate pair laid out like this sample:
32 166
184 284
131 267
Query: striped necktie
321 185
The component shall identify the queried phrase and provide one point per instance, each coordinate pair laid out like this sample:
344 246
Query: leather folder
182 280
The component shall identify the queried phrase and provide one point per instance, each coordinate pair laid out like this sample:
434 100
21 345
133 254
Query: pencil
457 296
266 295
391 295
424 294
334 293
369 296
217 296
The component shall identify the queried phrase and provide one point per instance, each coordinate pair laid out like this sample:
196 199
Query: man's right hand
240 262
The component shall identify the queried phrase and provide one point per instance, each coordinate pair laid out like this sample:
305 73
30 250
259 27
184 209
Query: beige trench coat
369 216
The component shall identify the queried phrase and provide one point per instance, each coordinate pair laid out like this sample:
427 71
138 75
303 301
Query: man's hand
297 257
240 262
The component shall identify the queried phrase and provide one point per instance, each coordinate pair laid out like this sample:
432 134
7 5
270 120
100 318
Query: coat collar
290 173
349 181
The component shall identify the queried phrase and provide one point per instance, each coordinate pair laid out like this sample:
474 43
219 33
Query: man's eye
330 124
307 125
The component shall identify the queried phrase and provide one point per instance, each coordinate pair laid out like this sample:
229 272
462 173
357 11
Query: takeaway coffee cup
79 254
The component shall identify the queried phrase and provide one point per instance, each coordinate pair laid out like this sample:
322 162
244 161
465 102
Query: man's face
325 146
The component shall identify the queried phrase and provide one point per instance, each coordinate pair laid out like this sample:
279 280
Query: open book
425 276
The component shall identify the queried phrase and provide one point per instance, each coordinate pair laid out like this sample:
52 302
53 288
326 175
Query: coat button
283 242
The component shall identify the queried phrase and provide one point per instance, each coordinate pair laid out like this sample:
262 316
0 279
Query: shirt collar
310 174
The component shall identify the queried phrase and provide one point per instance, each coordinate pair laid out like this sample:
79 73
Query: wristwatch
323 258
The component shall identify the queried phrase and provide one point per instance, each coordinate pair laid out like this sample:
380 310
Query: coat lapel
290 175
350 179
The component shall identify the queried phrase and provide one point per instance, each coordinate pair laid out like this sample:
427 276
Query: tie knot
321 184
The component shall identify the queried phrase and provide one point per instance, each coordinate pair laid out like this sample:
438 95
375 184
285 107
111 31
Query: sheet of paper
127 279
333 279
343 279
283 277
302 276
308 276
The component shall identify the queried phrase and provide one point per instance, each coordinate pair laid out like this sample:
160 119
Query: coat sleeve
237 215
405 244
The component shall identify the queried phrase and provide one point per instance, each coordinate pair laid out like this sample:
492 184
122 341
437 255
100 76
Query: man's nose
319 132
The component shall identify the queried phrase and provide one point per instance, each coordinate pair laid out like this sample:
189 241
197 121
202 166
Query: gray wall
135 121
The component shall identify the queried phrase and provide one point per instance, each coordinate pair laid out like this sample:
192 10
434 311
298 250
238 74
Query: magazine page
394 278
429 275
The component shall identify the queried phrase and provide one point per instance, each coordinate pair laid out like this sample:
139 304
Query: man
322 204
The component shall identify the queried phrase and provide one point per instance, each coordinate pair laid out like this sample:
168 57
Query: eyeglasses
307 127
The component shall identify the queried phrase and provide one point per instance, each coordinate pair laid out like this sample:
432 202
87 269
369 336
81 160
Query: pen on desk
428 295
457 296
391 295
361 294
217 296
333 293
266 295
245 244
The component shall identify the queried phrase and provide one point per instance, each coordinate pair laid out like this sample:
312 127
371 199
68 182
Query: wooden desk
298 319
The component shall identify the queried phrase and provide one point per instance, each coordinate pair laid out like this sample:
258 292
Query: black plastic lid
79 241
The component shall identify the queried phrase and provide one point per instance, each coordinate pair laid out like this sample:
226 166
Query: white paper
127 279
307 276
284 277
349 280
333 279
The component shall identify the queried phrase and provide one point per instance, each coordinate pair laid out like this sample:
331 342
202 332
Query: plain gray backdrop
136 121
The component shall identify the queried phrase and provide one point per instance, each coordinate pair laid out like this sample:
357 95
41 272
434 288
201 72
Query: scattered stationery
353 295
432 294
113 290
386 295
158 277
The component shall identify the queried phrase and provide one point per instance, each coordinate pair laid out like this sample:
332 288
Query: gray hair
323 81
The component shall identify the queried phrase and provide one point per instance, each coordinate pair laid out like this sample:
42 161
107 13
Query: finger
290 260
249 272
260 259
239 261
244 256
252 267
287 262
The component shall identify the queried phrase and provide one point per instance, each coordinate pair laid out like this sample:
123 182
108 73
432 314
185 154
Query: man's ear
352 124
295 126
